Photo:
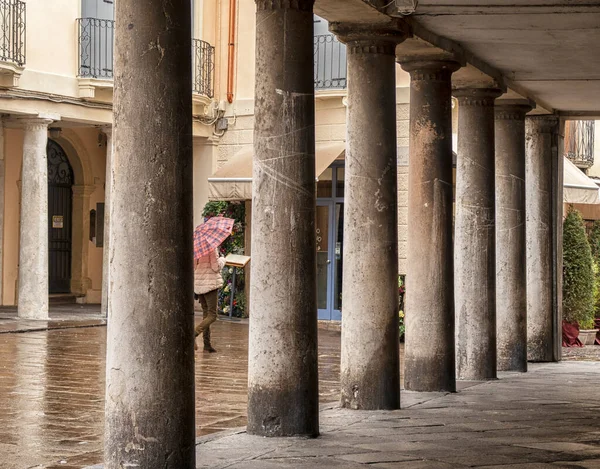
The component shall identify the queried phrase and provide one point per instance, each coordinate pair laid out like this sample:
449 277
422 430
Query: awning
234 180
577 187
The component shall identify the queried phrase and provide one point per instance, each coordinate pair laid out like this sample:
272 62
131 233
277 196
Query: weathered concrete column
543 167
2 190
429 343
33 244
282 352
105 249
511 279
475 236
370 370
150 353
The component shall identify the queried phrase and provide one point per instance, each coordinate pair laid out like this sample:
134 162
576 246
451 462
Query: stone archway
82 188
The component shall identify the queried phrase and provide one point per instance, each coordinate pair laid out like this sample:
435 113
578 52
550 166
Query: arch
78 157
83 187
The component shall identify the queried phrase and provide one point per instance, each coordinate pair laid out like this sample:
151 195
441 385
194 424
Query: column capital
476 96
371 38
271 5
34 123
83 190
511 110
107 130
430 70
546 123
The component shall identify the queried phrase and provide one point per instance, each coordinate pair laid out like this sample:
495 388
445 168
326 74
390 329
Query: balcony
579 143
95 52
12 41
330 66
203 75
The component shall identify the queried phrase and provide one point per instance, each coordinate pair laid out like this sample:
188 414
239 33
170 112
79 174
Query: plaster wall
87 158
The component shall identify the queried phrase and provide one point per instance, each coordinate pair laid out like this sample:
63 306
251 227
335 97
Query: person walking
207 281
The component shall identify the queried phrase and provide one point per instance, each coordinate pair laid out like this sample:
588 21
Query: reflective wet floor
52 390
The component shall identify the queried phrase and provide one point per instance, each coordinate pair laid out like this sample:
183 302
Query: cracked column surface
429 346
511 280
106 247
33 241
475 236
370 371
283 398
539 157
149 406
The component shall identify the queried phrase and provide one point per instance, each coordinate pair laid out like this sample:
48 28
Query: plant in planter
401 292
579 281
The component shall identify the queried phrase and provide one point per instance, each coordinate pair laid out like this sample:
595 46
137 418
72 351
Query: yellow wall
88 161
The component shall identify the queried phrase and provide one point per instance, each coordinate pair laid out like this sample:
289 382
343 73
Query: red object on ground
570 335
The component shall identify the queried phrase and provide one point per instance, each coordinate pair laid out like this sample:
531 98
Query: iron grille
579 143
203 55
12 31
330 62
96 46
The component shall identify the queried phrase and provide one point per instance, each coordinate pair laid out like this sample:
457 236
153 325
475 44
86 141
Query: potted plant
579 280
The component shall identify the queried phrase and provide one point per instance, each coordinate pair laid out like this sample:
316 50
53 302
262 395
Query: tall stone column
429 343
150 353
542 171
106 247
475 236
33 244
283 395
511 279
370 370
2 190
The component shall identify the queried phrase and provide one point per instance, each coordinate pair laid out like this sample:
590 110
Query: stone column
105 249
511 279
283 395
150 338
475 236
429 343
80 281
33 244
2 190
370 370
541 171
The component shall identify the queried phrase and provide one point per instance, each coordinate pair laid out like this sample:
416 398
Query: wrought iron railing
330 65
96 46
203 67
12 31
579 143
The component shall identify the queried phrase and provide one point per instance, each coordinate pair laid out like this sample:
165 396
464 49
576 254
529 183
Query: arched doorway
60 210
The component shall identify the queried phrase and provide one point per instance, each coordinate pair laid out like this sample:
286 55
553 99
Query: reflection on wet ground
52 391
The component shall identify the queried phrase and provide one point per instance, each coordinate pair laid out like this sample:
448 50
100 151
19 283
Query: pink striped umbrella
211 234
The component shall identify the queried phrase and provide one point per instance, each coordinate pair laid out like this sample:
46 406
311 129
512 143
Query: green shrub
578 271
594 239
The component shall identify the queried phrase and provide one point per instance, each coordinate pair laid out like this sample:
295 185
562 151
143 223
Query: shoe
209 349
195 345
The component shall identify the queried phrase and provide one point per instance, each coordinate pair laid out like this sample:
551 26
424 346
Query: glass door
323 259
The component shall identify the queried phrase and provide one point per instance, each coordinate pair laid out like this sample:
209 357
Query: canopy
577 187
234 180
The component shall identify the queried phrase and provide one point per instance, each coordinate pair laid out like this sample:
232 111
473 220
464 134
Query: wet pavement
52 386
548 418
52 395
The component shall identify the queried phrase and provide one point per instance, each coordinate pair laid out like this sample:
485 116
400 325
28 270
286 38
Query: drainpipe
231 50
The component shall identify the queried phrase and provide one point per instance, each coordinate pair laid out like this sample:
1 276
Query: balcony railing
203 67
330 65
12 31
96 39
579 143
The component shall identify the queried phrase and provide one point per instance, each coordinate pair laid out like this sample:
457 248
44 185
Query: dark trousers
208 301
